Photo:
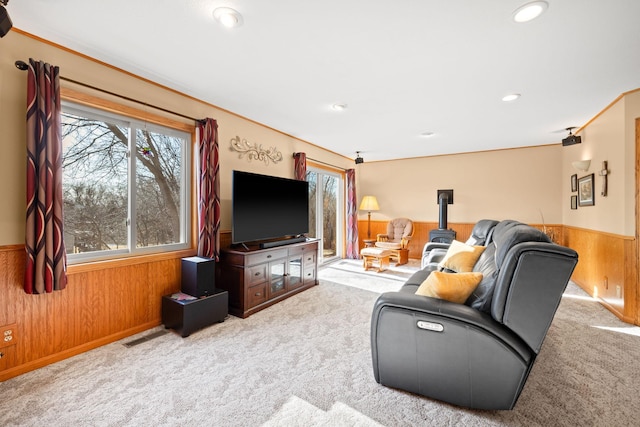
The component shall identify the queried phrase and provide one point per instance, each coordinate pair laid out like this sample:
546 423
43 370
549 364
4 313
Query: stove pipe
443 200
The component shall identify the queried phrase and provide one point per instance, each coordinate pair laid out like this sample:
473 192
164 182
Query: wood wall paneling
607 269
636 244
99 305
420 235
111 301
422 229
631 293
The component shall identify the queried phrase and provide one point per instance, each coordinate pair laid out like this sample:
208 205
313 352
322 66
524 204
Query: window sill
124 262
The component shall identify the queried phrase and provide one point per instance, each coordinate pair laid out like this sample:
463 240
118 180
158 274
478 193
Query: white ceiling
404 67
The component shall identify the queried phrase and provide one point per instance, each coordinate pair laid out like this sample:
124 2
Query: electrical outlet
8 335
606 282
618 291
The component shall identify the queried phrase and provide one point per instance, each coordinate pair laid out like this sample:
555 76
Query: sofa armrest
428 249
434 256
436 310
433 245
446 351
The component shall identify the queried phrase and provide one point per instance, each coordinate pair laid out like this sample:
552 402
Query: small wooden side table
369 243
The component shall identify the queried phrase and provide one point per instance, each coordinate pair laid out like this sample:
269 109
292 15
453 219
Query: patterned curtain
300 165
46 264
352 216
209 190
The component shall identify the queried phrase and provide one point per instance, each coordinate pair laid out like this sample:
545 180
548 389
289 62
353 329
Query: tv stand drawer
309 275
256 295
256 274
260 257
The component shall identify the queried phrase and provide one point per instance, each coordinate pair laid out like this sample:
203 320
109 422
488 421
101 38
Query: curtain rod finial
21 65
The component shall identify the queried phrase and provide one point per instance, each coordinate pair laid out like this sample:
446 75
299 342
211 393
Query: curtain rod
21 65
325 163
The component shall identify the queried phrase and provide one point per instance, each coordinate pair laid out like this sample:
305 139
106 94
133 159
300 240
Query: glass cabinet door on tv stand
294 273
281 280
277 277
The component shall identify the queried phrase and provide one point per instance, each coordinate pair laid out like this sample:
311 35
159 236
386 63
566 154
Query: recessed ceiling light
426 134
511 97
339 107
228 17
530 11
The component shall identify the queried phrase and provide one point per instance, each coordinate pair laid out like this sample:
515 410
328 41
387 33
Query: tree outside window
113 198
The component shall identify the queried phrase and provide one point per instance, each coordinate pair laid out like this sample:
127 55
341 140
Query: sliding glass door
326 211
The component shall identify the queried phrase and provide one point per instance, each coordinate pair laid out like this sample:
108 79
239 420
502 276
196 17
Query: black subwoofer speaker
198 276
5 22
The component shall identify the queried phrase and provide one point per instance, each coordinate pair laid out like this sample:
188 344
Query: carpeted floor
306 361
350 272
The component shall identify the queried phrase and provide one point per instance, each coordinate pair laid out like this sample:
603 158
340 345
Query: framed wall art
574 202
574 183
585 191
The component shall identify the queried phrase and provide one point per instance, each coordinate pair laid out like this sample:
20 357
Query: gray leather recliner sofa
477 354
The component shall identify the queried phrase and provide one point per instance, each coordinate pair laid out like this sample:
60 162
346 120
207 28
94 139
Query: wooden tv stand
258 278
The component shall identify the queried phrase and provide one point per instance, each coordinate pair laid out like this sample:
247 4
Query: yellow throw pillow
454 287
461 257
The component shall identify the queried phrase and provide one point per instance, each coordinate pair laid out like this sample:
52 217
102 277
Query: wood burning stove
442 234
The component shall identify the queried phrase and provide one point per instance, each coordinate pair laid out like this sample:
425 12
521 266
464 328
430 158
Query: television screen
267 207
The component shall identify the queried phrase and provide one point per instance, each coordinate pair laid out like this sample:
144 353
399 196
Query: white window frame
340 209
185 185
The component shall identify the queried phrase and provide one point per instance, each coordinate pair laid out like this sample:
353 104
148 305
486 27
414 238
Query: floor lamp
369 203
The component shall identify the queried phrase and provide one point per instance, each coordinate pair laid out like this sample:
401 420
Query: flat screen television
268 207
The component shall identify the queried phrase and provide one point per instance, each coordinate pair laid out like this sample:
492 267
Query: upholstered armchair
399 232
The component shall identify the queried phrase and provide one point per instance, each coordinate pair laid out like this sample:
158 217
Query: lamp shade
369 203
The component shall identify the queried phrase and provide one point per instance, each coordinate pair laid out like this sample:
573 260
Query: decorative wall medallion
254 151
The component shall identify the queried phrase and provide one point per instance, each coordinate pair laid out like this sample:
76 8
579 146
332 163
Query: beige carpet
350 272
306 362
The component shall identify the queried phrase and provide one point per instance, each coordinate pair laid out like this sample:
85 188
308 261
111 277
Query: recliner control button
430 326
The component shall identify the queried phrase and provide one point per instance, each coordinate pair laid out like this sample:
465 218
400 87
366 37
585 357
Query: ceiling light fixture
511 97
529 11
228 17
339 107
426 134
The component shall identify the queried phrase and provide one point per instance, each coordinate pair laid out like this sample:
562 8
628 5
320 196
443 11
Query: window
125 185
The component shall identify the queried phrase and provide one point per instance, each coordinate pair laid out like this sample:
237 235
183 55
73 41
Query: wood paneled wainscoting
420 235
110 300
607 266
422 229
103 302
607 269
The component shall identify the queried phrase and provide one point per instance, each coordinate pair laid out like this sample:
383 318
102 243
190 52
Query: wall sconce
582 165
369 203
